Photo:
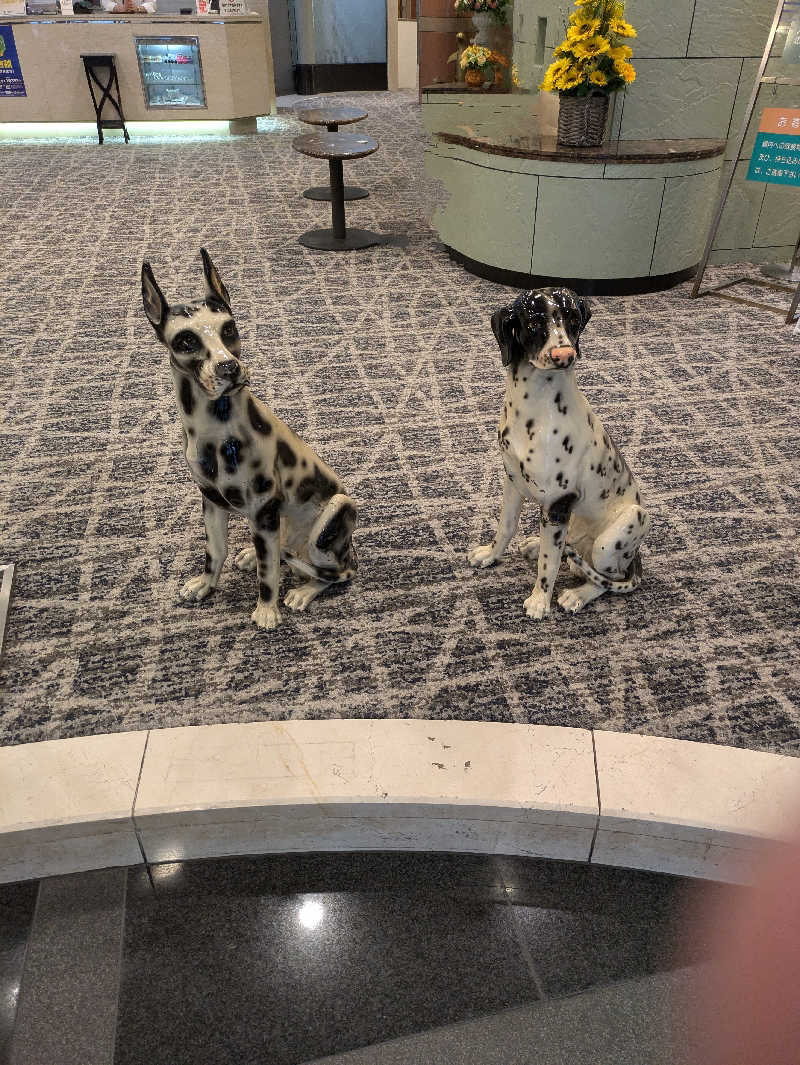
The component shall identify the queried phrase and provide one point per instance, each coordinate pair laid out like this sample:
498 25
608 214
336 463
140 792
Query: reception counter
225 61
629 216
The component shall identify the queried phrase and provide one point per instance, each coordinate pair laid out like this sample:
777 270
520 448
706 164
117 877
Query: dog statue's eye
186 341
229 332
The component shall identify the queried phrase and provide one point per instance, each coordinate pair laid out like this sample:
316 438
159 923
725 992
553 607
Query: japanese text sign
776 153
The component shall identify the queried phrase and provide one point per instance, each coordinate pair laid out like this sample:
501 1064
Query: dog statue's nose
562 356
228 368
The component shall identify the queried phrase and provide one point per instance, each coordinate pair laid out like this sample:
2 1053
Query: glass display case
172 75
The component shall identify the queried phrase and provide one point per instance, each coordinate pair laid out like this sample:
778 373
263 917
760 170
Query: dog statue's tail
618 587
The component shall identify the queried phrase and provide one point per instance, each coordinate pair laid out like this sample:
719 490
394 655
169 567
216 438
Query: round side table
336 147
332 118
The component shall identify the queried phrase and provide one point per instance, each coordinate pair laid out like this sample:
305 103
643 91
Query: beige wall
237 68
407 69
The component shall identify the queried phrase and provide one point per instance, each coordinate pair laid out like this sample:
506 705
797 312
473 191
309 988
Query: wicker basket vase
582 119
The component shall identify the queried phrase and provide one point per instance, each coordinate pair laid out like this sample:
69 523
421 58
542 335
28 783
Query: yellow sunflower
597 77
556 69
625 71
621 52
591 47
621 28
571 79
582 29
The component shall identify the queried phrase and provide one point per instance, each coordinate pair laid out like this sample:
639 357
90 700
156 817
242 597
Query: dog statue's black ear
214 285
504 327
155 306
586 311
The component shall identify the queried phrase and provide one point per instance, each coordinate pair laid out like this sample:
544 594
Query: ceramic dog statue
557 454
245 460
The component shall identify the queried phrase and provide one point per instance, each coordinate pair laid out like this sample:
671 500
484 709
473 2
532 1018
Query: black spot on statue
262 484
234 496
285 454
316 484
231 450
187 396
561 410
264 592
261 547
208 462
337 532
618 545
207 568
560 511
259 423
220 408
269 516
543 581
214 497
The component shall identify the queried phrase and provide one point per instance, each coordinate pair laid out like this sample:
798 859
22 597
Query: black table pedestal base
323 192
326 239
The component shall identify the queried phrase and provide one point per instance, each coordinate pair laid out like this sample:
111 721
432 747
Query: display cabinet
171 71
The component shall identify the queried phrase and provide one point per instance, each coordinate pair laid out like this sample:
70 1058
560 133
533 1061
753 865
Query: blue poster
11 83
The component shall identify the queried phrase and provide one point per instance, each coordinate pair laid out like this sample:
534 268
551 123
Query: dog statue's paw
299 598
246 560
198 587
482 556
574 599
266 616
537 604
530 546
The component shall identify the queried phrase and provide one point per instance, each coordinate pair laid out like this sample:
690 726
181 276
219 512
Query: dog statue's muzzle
562 357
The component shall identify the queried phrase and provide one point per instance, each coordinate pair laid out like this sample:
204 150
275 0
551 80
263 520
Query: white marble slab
333 785
451 769
677 856
693 808
172 841
66 805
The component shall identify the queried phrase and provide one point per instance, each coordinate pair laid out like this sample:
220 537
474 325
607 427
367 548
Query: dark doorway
280 31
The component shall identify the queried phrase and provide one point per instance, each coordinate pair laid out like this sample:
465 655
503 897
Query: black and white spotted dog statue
556 453
244 459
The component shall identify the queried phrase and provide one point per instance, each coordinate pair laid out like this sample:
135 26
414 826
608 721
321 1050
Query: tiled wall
696 61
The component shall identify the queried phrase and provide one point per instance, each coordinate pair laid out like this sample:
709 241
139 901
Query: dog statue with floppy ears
245 460
556 453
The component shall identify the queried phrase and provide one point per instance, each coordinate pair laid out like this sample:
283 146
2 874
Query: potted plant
590 63
484 12
476 64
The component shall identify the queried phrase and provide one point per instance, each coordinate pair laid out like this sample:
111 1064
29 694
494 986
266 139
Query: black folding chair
95 66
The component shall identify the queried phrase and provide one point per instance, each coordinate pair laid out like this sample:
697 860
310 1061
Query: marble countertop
461 86
501 136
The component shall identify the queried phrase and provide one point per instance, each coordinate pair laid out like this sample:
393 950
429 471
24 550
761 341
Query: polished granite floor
288 959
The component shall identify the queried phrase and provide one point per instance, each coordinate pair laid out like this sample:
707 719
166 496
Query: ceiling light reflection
311 913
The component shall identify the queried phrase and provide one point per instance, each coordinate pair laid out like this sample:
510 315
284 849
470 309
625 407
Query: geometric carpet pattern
384 361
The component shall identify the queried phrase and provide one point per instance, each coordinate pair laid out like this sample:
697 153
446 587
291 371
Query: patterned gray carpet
384 360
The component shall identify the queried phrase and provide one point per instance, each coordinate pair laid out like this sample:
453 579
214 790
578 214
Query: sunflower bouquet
593 56
495 8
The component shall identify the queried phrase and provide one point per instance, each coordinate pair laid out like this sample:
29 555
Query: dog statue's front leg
266 530
487 554
552 536
216 522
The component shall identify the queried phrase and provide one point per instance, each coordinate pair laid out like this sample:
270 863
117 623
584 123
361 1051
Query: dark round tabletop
326 116
335 145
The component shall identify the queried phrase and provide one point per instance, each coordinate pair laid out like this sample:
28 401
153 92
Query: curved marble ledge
644 802
625 217
518 142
